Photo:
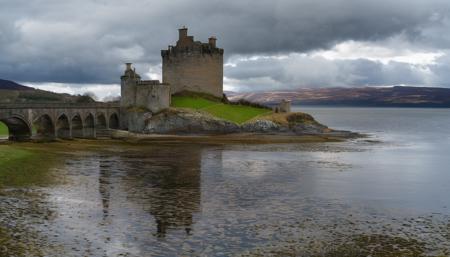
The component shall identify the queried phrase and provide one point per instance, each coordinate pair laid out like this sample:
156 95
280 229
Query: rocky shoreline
177 124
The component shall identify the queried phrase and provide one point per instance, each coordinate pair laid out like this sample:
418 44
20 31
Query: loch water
384 195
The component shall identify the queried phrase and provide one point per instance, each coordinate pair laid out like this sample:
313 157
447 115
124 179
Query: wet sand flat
117 198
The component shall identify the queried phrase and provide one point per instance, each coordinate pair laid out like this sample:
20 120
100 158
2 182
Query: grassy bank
235 113
21 167
192 102
3 129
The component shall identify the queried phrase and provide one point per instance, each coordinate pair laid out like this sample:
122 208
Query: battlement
187 45
151 83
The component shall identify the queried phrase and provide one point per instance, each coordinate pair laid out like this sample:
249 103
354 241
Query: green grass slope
192 102
235 113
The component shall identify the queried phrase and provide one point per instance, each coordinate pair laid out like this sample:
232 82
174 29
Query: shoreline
238 138
232 138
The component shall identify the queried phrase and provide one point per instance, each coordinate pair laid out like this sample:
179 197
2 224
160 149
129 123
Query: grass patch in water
21 167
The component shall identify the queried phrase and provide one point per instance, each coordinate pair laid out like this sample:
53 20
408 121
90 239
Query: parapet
151 83
186 44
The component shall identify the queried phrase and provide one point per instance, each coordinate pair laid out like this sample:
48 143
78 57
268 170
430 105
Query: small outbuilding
283 107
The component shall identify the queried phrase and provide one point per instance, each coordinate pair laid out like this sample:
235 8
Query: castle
188 66
193 66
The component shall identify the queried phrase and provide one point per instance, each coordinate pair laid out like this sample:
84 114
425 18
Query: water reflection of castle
163 181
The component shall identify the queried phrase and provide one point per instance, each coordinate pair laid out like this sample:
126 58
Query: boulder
136 120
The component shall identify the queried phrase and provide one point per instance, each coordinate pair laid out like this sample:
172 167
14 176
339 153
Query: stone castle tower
148 94
193 66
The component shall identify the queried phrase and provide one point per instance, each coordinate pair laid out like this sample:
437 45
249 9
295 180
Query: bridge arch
63 127
77 126
101 121
89 126
53 120
114 121
45 127
18 128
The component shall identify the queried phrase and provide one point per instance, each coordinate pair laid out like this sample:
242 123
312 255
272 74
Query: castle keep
193 66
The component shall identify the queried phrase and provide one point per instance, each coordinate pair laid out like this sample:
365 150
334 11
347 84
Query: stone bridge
59 120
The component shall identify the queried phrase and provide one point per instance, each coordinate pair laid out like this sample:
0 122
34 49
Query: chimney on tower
182 32
212 42
128 66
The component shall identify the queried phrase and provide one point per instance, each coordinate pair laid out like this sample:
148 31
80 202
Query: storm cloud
268 44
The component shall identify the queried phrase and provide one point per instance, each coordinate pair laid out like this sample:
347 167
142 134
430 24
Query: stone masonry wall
141 95
194 72
128 92
153 97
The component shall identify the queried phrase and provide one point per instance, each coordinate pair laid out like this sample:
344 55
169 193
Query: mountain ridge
396 96
13 92
11 85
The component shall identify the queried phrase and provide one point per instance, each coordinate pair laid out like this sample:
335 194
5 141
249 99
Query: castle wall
154 97
193 71
128 92
139 97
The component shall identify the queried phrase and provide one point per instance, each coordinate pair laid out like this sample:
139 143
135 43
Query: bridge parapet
59 105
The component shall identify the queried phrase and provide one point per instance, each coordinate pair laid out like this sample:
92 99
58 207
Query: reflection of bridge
59 120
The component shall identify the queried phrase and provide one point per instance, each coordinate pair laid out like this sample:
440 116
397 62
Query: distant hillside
11 85
398 96
12 92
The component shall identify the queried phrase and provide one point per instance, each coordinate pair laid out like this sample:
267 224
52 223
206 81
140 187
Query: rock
184 121
136 120
120 134
191 122
309 128
260 126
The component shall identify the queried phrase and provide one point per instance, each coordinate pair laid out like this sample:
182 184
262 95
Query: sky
79 46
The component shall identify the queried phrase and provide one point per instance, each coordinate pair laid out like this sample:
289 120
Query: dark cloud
87 41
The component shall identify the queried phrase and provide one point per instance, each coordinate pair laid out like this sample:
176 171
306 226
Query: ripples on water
331 199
